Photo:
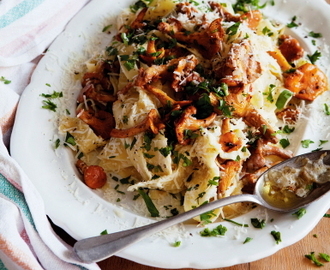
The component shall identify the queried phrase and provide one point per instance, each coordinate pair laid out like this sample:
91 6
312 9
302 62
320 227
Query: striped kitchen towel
27 241
27 27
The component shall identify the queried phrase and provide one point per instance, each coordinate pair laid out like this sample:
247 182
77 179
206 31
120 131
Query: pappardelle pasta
191 100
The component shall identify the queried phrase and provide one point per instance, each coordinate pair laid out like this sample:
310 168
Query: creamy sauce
287 186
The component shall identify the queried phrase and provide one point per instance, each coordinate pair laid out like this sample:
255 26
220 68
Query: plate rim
132 253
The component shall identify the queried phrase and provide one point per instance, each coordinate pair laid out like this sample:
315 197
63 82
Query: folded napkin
27 240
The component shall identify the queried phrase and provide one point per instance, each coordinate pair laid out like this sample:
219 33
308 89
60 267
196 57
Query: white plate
82 213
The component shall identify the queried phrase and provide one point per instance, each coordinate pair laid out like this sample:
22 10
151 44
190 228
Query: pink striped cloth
27 241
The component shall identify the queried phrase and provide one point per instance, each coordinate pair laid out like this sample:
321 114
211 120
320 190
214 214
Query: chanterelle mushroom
152 122
188 122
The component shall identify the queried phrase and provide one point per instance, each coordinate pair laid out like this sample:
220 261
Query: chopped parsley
288 130
200 195
189 134
267 32
53 95
277 236
214 181
139 4
314 57
306 143
313 258
146 155
325 257
106 28
300 213
247 5
293 23
269 93
125 180
147 138
57 143
225 108
247 240
69 139
4 80
125 119
133 143
165 151
217 231
284 142
129 63
104 232
257 223
206 217
49 105
179 156
315 35
232 30
150 205
111 50
177 244
323 142
326 109
204 106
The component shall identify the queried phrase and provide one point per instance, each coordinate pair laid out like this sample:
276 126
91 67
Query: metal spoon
101 247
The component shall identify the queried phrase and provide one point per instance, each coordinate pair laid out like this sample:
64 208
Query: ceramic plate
83 213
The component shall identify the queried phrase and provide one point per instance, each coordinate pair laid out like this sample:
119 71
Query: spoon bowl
295 162
100 247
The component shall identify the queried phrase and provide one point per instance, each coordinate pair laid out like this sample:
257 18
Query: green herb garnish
69 139
53 95
218 231
49 105
287 129
177 244
236 223
306 143
257 223
106 28
57 143
325 257
277 236
4 80
314 35
232 30
300 213
269 93
312 257
247 240
104 232
314 57
247 5
293 23
149 203
284 142
326 109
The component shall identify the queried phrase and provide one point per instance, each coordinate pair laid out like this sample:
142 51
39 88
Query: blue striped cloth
27 241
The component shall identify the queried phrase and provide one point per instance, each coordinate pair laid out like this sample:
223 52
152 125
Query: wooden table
289 258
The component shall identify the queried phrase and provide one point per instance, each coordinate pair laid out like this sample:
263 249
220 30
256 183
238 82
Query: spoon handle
100 247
